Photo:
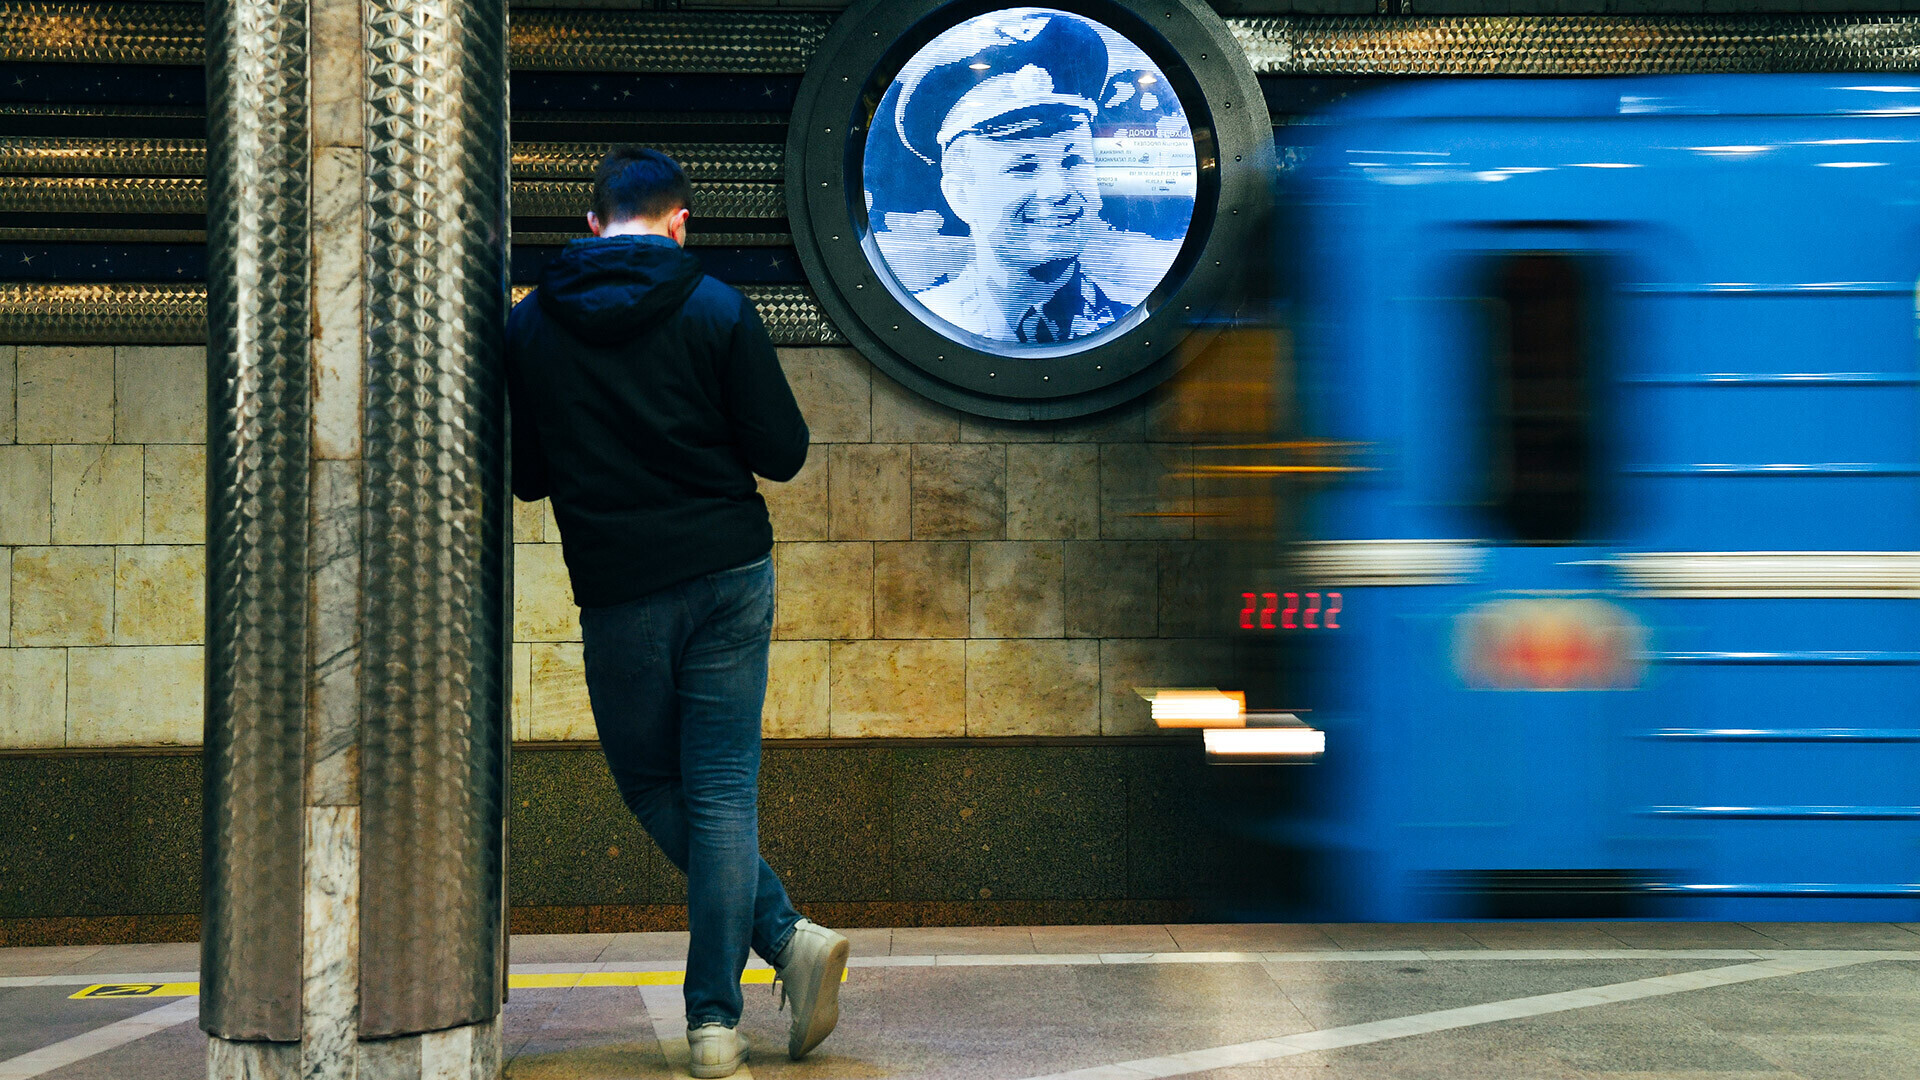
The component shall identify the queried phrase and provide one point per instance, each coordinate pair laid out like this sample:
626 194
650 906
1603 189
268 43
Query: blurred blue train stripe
1789 813
1794 657
1865 735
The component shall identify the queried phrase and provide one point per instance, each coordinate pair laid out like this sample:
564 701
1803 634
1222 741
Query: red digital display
1290 611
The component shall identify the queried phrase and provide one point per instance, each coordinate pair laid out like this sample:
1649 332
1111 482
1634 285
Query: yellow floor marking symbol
138 990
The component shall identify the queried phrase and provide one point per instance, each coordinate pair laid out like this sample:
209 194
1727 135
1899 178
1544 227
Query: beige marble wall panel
6 597
1053 492
529 521
98 495
543 608
522 706
825 590
903 416
1016 589
1033 687
959 492
64 393
560 710
908 689
337 58
796 705
1137 662
6 393
1126 424
1112 588
799 508
166 712
550 529
26 494
33 698
339 246
1143 489
160 394
986 429
835 391
1194 599
872 486
921 590
160 596
62 595
175 486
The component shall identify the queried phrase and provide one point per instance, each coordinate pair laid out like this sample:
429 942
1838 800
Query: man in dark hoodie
645 397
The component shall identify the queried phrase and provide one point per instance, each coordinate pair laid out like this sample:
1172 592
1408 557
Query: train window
1541 434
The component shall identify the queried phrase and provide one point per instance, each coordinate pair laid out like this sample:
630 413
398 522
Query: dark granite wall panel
902 832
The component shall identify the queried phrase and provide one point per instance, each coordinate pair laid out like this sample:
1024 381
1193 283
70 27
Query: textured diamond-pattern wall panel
1576 45
743 42
724 199
433 722
704 162
257 453
79 314
103 194
110 33
103 157
159 314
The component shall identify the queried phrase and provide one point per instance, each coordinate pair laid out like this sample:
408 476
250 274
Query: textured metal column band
724 199
103 157
188 195
45 157
780 43
40 314
257 451
433 723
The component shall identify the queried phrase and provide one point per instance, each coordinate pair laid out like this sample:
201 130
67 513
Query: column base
470 1052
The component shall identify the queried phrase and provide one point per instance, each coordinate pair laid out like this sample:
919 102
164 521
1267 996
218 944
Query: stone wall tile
1053 492
550 528
1016 589
988 429
6 393
796 705
902 416
98 494
529 521
1112 588
921 590
337 74
825 590
160 595
959 492
1125 424
62 595
521 710
543 608
160 394
799 508
33 698
560 709
1193 600
175 488
166 712
1141 483
1137 662
26 494
835 392
6 597
64 393
872 491
1033 687
897 688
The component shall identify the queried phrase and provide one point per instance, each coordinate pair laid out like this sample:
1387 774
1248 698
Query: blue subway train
1628 578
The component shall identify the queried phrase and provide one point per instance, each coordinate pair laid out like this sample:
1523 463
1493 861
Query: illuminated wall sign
1022 211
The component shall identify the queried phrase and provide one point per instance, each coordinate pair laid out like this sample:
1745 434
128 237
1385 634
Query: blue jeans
677 679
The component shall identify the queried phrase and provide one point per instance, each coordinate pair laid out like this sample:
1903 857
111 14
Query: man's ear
593 223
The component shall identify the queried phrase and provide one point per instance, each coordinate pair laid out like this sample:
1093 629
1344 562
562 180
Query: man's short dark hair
635 182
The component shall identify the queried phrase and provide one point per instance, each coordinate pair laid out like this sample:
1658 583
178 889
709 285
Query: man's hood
611 289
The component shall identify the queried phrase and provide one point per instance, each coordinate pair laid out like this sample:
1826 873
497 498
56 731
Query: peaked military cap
1056 64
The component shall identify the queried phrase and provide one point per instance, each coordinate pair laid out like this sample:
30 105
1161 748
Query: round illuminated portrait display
1029 212
1029 180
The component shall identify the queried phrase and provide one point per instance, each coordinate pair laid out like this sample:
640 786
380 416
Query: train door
1514 802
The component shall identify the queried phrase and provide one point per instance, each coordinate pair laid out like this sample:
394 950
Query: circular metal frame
826 142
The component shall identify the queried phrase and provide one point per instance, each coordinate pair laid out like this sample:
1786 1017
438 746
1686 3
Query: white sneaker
810 969
715 1050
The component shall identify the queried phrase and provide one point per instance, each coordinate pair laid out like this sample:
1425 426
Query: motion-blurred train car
1620 618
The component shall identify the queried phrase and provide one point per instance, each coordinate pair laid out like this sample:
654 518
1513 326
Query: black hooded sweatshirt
645 397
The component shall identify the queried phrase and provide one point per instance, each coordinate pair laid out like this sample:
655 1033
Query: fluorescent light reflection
1264 742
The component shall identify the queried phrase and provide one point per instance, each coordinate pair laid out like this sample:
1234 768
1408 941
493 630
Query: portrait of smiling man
1010 129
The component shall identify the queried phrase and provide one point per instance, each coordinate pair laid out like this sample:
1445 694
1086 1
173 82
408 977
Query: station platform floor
1621 1001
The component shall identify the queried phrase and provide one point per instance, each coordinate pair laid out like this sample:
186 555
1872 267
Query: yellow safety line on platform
539 981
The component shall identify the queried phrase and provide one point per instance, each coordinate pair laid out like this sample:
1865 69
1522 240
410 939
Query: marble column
358 524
